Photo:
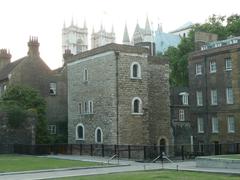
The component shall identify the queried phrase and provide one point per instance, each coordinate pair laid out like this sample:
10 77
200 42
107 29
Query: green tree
21 99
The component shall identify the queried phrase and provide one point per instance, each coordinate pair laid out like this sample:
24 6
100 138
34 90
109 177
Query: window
80 108
136 105
214 97
229 95
184 98
90 104
231 124
135 70
198 69
181 115
200 125
85 75
52 129
215 125
85 107
228 64
98 135
52 89
213 67
80 132
199 98
4 87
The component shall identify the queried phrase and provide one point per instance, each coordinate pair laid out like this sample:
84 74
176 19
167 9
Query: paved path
125 166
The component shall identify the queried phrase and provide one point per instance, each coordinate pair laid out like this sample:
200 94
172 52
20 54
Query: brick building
117 94
214 91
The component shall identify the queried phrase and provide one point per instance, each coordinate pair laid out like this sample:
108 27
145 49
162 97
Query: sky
21 19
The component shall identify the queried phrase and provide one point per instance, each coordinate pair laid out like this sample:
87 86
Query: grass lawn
157 175
12 163
233 156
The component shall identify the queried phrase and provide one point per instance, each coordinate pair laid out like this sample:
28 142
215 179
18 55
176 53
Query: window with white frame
90 104
52 129
229 95
85 107
231 124
181 115
228 64
198 69
135 70
136 105
80 108
184 97
98 135
4 87
215 125
214 97
213 66
52 89
200 125
199 98
80 132
85 75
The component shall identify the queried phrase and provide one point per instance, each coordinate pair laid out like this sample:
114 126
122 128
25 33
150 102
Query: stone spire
147 27
85 24
160 28
72 23
33 46
126 39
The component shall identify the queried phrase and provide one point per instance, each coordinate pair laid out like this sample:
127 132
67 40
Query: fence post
237 148
102 150
80 149
144 153
91 150
182 152
129 152
71 149
220 149
115 149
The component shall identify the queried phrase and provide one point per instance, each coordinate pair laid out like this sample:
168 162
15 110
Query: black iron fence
136 152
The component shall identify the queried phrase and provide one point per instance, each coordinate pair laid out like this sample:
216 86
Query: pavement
114 167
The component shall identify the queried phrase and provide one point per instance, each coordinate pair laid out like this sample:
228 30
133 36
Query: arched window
98 135
135 70
136 105
85 75
80 134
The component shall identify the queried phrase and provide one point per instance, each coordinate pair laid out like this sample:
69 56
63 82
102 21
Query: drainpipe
117 100
206 89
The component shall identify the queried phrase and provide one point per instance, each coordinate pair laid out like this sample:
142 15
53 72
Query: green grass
233 156
13 163
157 175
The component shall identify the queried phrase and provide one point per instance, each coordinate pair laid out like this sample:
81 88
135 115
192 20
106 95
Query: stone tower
75 38
5 57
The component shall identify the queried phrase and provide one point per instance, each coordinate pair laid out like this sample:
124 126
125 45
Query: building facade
75 38
118 95
214 92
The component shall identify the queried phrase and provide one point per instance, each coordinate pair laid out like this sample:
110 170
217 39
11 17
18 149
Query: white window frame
52 129
231 127
139 108
229 96
199 97
90 107
228 64
214 98
215 125
85 75
200 124
80 108
198 69
53 88
77 137
139 75
96 130
213 66
181 115
4 87
86 107
184 97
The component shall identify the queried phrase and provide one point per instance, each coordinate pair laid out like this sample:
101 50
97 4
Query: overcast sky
20 19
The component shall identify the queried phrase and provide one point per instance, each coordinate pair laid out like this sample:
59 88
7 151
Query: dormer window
52 89
135 70
184 97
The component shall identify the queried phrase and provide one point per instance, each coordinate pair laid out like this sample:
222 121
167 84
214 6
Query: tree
220 25
18 100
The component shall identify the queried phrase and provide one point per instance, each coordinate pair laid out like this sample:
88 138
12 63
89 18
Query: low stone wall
213 162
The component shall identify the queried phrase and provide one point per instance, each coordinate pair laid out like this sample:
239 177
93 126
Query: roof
183 27
110 47
9 67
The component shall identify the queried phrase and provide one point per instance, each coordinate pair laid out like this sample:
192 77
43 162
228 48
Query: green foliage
25 99
220 25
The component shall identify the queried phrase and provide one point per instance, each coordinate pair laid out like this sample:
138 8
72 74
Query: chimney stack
67 56
5 57
33 46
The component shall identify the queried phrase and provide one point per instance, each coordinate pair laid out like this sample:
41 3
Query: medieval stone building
118 94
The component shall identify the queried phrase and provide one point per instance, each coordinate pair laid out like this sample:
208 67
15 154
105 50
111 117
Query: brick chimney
33 46
5 57
67 56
